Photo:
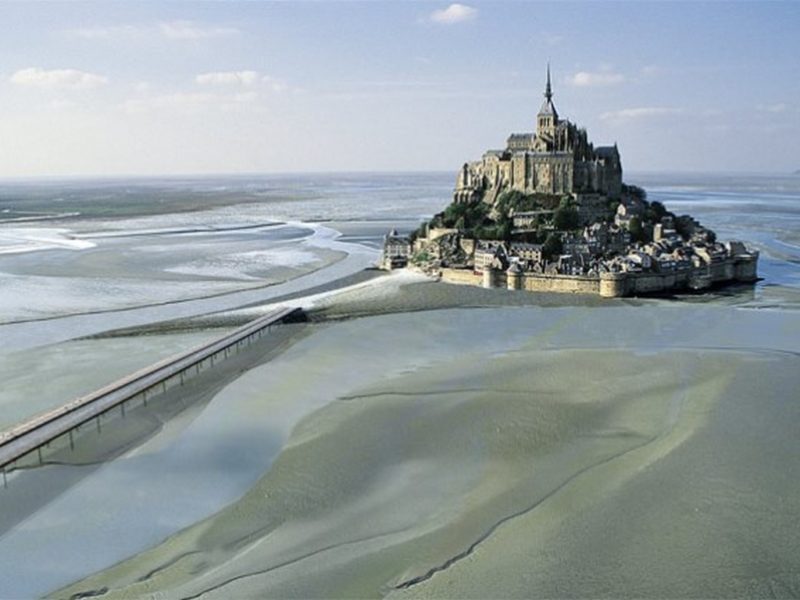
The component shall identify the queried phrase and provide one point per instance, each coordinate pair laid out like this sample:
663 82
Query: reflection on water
138 476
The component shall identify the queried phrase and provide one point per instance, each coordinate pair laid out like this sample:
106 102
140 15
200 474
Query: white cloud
552 39
177 100
276 85
245 97
640 113
174 30
779 107
60 104
241 78
61 78
598 78
189 30
192 102
228 78
455 13
107 33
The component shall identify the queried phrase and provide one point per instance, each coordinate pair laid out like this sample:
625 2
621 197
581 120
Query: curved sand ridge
420 484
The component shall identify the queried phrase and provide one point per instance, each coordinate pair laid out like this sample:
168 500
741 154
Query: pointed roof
548 92
548 108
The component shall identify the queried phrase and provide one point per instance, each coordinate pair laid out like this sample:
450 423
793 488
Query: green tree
452 213
634 191
638 233
510 199
518 201
566 217
659 210
420 257
552 246
464 216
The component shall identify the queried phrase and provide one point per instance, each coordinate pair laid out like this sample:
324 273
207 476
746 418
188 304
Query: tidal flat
66 370
414 438
517 451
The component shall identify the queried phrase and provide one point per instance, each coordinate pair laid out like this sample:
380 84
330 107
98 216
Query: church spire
548 91
548 108
547 119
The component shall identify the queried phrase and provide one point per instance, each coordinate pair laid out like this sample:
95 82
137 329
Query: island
550 212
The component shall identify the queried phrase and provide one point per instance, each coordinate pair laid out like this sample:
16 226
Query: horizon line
245 174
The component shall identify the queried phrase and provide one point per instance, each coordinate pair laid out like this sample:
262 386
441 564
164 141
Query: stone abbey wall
611 285
563 284
462 277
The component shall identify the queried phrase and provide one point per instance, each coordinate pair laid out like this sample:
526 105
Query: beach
413 438
467 464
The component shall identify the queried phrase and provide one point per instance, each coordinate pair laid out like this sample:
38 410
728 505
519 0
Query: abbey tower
557 159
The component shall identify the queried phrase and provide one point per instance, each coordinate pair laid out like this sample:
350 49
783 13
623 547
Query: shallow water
413 444
186 240
64 371
145 269
762 210
223 451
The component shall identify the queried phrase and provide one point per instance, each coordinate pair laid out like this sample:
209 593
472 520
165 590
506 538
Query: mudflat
514 451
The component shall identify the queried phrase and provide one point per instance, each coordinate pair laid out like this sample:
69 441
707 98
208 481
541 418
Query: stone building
526 252
396 251
557 159
488 253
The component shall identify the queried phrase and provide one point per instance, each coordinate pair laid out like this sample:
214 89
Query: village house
487 252
558 166
396 251
527 252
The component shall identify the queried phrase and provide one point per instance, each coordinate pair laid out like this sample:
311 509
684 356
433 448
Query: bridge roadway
42 429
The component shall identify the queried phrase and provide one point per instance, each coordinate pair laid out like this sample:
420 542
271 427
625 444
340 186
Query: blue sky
117 88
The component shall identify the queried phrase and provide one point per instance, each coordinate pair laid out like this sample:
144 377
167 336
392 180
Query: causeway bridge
25 442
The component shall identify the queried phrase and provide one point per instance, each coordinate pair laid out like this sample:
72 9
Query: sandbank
499 452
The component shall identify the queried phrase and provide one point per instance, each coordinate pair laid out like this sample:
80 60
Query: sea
83 260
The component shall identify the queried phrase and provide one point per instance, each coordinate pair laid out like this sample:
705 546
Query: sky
146 88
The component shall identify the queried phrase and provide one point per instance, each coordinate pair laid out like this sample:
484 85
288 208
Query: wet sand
503 444
562 451
132 272
64 371
137 476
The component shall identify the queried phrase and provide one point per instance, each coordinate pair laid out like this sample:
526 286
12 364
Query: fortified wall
521 241
611 285
556 159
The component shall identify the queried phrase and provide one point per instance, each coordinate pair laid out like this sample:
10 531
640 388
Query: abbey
558 160
550 213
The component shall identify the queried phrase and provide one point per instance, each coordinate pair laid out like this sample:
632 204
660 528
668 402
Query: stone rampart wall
565 284
462 277
614 284
645 283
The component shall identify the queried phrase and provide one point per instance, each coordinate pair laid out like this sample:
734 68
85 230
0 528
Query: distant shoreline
47 180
